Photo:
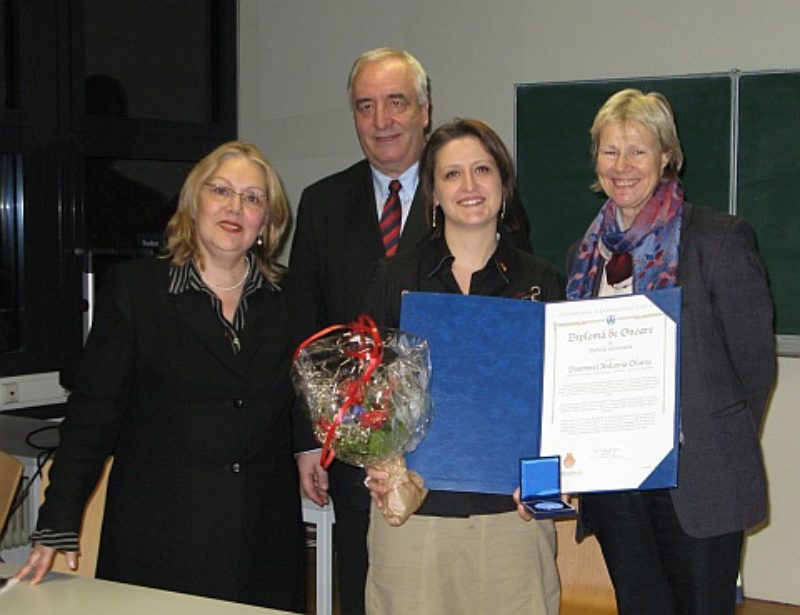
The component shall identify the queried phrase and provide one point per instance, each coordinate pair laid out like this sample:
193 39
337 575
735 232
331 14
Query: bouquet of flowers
366 393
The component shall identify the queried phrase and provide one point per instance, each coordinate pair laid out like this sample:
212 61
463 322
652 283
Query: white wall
772 554
294 60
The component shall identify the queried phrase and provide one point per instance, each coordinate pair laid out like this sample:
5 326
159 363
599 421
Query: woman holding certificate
677 551
461 553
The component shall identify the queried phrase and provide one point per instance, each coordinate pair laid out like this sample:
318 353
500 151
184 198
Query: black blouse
508 273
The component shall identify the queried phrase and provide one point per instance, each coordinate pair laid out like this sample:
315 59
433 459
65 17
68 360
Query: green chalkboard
555 169
769 182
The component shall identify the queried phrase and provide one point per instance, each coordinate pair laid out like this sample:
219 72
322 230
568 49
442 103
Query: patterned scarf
652 239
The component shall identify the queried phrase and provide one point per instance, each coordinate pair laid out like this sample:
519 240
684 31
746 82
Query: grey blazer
728 368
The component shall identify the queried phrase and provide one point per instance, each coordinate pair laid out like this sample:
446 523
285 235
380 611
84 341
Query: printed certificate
595 382
609 393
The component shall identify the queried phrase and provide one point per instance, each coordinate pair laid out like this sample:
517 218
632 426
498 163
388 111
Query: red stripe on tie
390 219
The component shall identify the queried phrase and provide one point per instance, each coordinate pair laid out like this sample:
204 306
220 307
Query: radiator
19 524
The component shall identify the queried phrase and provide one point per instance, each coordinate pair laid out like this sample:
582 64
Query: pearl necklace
235 286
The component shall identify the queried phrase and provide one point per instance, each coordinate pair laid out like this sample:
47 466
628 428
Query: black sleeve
382 298
305 259
96 406
556 287
301 315
552 283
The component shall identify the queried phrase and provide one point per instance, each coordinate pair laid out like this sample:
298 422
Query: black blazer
203 496
336 244
728 368
337 240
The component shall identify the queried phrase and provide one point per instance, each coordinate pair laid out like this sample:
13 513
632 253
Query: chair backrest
10 474
90 526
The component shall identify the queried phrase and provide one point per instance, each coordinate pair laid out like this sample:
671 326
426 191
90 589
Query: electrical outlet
9 393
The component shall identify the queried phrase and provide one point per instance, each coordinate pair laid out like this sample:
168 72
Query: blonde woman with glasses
185 380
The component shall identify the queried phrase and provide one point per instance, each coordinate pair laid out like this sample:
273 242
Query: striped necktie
390 218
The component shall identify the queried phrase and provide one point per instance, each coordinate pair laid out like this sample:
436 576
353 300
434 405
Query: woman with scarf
677 551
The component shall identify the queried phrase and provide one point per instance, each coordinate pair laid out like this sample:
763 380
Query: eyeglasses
225 194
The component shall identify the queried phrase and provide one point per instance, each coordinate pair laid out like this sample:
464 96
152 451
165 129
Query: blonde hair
653 111
181 232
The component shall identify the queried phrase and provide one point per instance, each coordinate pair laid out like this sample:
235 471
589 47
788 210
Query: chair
10 474
90 527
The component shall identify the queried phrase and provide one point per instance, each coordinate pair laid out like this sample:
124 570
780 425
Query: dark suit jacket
337 240
203 495
727 370
336 244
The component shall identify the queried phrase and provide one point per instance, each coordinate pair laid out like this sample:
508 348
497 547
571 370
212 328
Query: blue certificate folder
486 386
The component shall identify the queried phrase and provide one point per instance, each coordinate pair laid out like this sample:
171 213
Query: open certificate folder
595 382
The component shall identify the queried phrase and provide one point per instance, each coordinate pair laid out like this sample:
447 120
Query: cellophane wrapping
385 416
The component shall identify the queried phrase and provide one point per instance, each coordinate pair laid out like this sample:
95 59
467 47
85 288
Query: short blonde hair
653 111
181 232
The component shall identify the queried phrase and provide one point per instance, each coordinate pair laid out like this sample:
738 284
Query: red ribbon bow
368 349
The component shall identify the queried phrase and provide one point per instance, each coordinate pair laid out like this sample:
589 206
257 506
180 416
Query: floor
759 607
748 607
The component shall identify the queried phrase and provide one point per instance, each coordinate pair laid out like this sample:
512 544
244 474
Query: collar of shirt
501 268
408 179
187 277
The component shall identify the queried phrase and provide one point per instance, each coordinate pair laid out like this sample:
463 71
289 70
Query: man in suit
338 240
340 237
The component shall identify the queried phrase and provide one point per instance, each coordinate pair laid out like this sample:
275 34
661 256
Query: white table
12 440
323 519
67 594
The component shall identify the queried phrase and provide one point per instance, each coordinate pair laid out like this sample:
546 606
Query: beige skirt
496 564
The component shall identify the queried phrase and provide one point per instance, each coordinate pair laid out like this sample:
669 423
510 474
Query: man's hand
313 478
